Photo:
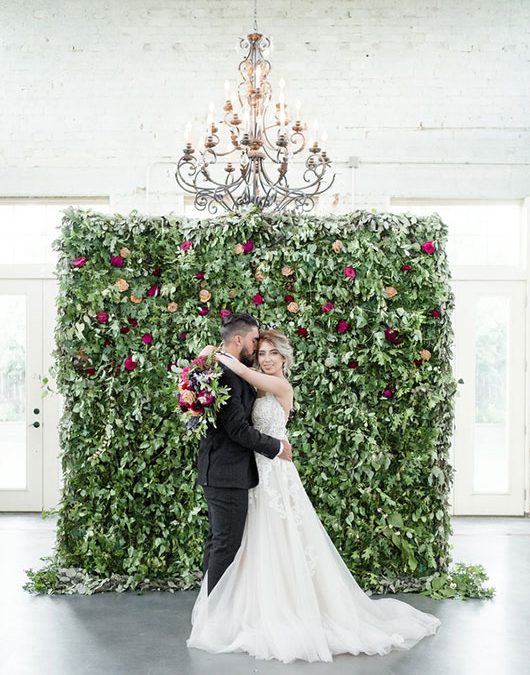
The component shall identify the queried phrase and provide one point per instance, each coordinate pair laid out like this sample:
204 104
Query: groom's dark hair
237 324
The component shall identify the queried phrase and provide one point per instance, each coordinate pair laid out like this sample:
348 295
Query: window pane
12 392
479 234
28 228
491 400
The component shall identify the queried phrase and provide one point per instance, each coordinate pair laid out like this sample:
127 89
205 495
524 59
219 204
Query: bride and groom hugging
227 468
274 584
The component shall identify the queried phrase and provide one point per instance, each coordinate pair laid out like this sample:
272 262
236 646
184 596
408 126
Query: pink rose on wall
203 311
78 262
147 338
153 291
257 299
102 317
129 363
387 393
350 272
116 261
186 245
327 307
342 326
428 247
224 313
248 246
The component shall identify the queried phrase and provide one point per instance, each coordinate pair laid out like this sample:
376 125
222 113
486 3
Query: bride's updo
281 343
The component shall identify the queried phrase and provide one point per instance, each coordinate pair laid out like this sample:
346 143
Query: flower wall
366 302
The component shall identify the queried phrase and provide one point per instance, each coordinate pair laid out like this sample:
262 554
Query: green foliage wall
373 419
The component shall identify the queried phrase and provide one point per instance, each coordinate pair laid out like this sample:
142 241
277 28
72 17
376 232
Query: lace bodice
268 416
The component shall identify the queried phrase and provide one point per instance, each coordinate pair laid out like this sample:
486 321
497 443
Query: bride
288 594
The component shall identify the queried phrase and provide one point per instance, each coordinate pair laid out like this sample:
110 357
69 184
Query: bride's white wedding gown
288 594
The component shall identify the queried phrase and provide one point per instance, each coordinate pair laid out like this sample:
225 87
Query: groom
227 467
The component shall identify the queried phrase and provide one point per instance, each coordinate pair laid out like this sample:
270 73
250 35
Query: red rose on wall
257 299
303 332
436 313
406 268
342 326
129 363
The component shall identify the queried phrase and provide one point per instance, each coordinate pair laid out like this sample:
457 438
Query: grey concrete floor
131 634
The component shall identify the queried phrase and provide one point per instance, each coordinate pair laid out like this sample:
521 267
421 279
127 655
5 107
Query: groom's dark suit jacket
226 457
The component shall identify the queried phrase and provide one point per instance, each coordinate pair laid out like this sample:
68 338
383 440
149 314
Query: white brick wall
433 96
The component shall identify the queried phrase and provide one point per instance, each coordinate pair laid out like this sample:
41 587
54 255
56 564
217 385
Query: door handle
36 411
36 425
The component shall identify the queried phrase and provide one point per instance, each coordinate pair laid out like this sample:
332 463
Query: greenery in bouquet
201 394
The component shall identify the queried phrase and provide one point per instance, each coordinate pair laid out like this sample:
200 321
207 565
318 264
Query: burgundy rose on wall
392 335
436 313
353 364
203 311
257 299
248 246
303 332
116 261
153 291
124 330
102 317
406 268
288 298
147 338
156 272
388 393
199 276
132 322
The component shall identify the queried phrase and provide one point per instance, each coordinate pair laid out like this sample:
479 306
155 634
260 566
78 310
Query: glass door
489 452
20 397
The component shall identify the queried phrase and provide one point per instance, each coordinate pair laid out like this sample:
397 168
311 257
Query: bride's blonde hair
281 343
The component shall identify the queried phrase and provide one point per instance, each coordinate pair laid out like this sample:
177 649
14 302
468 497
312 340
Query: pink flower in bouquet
436 313
186 245
153 291
303 332
342 326
248 246
129 363
116 261
199 276
327 307
78 262
257 299
428 247
198 361
206 398
388 393
350 272
147 338
224 313
102 317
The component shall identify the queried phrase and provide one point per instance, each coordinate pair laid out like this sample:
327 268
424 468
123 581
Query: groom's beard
246 358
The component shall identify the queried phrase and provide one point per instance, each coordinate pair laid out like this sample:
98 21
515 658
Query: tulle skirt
288 594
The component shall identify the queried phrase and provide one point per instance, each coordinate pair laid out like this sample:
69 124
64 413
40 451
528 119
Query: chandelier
262 144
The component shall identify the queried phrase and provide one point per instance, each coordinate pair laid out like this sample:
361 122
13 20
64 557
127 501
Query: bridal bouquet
201 394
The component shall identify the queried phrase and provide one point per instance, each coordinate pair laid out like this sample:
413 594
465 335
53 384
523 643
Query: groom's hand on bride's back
286 452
